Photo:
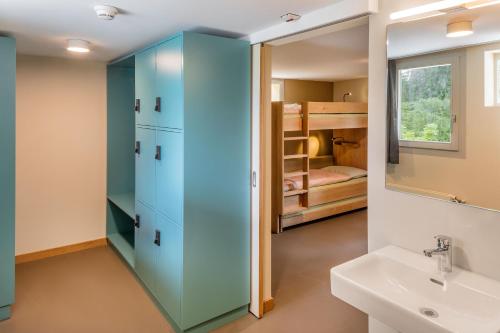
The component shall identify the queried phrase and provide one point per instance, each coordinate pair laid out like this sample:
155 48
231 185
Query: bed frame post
278 166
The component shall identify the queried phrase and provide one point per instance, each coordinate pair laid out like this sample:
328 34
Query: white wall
404 219
61 152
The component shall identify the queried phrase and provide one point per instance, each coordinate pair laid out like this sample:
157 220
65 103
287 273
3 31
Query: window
277 90
428 101
492 78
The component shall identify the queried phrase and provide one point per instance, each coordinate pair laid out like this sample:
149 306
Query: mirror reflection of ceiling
335 56
424 36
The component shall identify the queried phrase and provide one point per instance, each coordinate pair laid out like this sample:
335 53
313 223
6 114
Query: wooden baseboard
60 250
268 305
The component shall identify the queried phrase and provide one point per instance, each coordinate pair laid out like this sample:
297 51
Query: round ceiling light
78 45
459 29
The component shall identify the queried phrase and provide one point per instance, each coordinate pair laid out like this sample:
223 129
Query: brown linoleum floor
93 291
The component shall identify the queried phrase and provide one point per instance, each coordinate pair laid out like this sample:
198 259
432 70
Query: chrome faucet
444 253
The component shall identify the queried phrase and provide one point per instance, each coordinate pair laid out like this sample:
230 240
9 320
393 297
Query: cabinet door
7 170
170 175
169 267
145 166
146 252
145 74
169 84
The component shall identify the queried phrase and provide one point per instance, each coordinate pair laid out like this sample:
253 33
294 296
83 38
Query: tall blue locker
145 76
7 172
191 217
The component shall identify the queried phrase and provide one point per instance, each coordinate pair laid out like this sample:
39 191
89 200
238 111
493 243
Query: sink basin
405 291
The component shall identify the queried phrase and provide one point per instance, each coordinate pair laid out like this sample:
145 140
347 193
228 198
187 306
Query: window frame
457 72
281 83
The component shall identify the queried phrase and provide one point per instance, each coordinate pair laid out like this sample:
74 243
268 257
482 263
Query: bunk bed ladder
302 194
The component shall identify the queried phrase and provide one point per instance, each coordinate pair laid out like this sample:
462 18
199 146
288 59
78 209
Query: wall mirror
444 106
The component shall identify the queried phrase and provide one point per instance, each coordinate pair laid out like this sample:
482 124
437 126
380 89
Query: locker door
145 73
169 84
145 166
169 267
146 252
170 175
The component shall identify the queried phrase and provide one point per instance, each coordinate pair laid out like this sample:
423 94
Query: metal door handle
137 107
157 240
158 104
137 221
138 147
158 153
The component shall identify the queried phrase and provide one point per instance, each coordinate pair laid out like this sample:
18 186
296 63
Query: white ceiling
42 27
427 35
335 56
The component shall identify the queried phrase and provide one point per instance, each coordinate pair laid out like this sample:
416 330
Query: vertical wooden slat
305 132
278 169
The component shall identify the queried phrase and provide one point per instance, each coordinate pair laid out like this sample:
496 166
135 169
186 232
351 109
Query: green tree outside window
425 104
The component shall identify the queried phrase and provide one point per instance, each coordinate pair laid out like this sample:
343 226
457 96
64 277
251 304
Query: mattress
296 115
317 177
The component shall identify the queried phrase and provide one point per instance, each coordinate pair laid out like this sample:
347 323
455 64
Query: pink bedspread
317 177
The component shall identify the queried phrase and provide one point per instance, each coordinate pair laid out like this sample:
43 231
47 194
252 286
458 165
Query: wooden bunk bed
316 192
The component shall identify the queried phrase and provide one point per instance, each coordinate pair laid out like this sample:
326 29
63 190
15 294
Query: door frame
261 188
261 300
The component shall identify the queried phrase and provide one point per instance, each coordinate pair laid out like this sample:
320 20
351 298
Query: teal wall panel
169 85
121 129
7 171
217 177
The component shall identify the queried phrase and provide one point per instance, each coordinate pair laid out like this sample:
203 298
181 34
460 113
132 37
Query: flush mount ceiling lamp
440 8
105 12
78 46
459 29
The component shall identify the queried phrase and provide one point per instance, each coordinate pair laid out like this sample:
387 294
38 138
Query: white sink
394 286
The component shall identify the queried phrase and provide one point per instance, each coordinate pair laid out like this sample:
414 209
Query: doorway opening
316 118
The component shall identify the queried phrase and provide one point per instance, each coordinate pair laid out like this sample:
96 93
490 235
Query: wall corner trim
268 305
33 256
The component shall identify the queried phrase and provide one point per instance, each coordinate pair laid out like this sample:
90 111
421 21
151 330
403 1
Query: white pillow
347 170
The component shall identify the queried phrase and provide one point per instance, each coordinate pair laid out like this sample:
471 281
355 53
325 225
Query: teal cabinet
158 257
168 290
146 154
145 82
169 173
216 266
169 84
159 85
191 244
146 251
7 172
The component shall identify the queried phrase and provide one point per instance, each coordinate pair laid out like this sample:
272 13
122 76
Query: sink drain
428 312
